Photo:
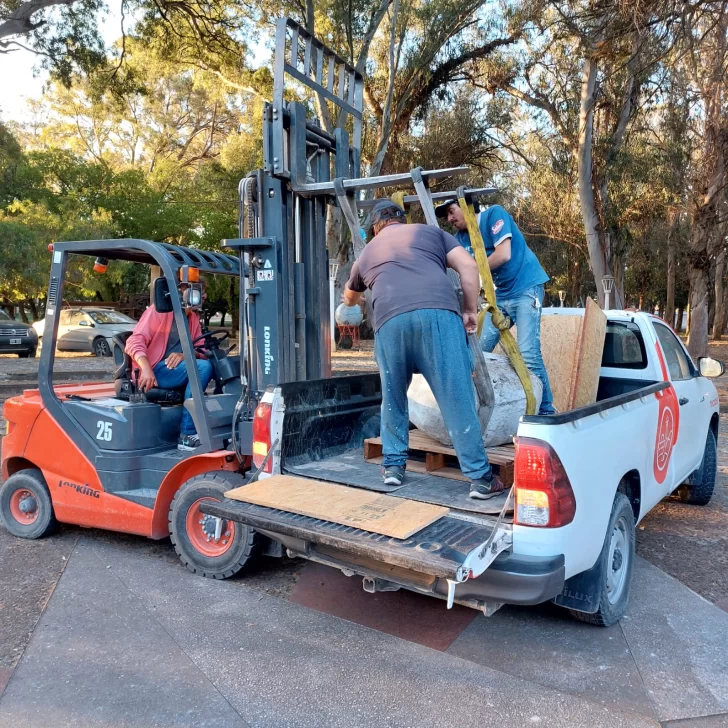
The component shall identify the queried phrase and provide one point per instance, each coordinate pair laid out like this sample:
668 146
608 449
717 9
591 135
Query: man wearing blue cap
419 328
519 279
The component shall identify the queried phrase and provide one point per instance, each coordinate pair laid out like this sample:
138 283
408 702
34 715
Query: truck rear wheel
26 508
206 545
698 489
617 559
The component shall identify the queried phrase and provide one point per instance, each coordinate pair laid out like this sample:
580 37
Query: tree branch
20 21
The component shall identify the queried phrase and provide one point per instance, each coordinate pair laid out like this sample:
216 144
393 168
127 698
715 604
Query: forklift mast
282 222
284 306
282 242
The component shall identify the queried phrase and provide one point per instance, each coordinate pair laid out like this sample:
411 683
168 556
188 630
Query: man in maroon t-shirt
419 328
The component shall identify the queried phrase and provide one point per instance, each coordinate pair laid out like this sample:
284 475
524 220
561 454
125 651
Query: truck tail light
261 436
544 497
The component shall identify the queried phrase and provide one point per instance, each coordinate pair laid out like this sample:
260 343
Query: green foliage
150 138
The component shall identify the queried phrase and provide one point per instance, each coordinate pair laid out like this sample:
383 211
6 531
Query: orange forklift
104 455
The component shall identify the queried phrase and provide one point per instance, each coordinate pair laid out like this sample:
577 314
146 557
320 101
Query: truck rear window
624 347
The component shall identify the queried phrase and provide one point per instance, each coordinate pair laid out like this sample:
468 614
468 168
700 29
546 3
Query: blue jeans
176 379
524 310
433 343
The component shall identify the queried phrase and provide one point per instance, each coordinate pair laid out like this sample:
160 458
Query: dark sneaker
393 475
482 489
188 443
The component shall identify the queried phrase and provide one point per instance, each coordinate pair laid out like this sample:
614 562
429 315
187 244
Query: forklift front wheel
25 504
209 546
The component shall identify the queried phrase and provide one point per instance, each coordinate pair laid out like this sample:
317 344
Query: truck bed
350 468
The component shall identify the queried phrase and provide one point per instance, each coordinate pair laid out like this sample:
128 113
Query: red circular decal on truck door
668 422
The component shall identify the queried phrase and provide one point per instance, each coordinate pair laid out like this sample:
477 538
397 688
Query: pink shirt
152 333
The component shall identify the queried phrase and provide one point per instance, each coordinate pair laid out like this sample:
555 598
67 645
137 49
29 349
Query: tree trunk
718 296
679 320
688 318
670 304
707 193
697 324
590 216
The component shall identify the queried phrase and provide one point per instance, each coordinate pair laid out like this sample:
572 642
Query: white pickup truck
583 479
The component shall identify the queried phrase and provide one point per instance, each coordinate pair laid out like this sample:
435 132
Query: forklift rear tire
193 533
26 508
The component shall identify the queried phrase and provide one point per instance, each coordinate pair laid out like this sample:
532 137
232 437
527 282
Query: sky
19 82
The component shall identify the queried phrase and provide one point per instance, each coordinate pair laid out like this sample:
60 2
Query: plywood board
383 514
560 337
586 384
572 346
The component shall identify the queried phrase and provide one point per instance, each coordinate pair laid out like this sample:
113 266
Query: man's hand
147 380
174 359
470 320
349 297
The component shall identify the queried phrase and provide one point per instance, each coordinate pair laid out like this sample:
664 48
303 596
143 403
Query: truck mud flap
451 548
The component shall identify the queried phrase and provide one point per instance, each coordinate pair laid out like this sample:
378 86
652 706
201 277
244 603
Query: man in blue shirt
519 280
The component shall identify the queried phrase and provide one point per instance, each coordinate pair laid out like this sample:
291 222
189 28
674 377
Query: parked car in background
17 337
88 329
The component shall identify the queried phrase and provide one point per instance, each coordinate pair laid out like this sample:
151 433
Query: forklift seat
122 376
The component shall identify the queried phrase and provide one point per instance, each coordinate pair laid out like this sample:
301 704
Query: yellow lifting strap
501 322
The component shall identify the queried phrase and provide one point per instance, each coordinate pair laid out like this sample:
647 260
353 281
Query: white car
88 329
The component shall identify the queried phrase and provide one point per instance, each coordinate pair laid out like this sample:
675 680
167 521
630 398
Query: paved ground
113 632
131 639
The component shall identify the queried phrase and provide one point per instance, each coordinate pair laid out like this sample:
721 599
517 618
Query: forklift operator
418 328
157 353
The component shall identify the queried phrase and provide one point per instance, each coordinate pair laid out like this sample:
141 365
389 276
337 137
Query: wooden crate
436 457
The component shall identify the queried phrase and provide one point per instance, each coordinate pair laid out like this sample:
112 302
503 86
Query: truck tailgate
450 548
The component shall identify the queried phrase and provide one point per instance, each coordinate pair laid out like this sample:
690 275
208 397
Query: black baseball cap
384 210
444 206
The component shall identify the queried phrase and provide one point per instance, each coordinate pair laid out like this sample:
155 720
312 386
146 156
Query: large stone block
510 404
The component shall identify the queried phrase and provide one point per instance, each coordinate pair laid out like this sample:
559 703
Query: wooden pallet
436 454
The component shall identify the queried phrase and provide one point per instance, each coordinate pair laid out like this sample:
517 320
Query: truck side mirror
710 367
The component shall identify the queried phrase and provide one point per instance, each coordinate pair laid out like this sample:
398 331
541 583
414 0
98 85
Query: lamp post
607 285
333 270
562 297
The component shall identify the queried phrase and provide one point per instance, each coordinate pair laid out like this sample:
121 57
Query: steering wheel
212 339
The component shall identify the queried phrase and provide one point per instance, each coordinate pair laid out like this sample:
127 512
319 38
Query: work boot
188 443
484 488
393 475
